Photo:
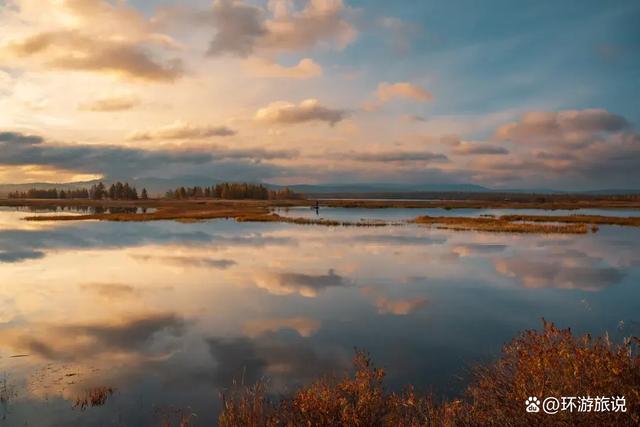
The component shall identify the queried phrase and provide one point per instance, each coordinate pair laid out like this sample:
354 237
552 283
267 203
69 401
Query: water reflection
169 314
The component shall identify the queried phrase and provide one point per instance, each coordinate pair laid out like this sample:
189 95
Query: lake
403 214
171 314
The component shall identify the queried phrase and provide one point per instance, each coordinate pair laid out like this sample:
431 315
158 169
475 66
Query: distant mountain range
158 186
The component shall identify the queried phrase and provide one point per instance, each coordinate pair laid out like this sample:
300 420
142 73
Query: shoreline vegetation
548 363
246 202
251 210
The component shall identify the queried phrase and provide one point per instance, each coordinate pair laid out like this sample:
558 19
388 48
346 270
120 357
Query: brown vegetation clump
499 225
360 400
577 219
96 396
549 363
553 363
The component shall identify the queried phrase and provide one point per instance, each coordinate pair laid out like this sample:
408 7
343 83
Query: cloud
318 22
388 92
395 306
397 156
305 69
474 148
241 29
111 291
19 149
571 149
578 128
181 130
100 18
111 103
403 90
304 326
471 249
189 261
19 255
72 50
307 111
563 270
19 138
395 240
79 341
400 306
238 26
306 285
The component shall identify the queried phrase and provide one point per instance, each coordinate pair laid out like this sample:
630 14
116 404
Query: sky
503 94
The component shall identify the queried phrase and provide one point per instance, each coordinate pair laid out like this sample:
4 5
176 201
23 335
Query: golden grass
96 396
549 363
577 219
554 363
498 225
360 400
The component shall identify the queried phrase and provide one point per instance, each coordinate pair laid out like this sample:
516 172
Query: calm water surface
169 314
400 214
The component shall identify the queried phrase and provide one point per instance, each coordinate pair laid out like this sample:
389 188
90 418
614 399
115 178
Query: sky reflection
170 314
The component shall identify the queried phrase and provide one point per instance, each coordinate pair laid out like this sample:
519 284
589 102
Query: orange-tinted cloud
304 326
402 90
307 285
305 69
71 50
309 110
241 29
111 103
181 130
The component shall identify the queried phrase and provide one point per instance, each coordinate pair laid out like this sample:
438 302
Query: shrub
549 363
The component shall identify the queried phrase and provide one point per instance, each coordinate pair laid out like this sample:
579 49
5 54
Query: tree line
233 191
116 191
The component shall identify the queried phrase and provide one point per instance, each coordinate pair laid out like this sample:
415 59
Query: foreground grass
549 363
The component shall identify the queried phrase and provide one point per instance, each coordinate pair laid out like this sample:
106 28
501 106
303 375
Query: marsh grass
500 225
577 219
358 400
551 362
92 397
